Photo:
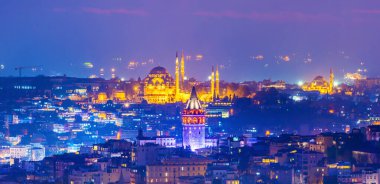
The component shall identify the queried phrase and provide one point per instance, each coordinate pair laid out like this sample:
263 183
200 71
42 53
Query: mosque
321 85
160 88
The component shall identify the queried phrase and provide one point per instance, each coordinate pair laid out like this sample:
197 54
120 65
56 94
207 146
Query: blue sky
314 35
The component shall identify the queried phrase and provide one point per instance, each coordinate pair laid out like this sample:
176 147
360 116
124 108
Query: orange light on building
348 93
118 135
347 129
376 123
331 111
102 115
136 88
269 160
267 133
102 97
120 95
343 167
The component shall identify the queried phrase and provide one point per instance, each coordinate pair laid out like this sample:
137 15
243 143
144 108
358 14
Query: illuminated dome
319 78
158 70
319 81
159 76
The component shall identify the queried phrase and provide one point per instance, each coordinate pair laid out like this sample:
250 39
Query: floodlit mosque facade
161 88
193 123
321 85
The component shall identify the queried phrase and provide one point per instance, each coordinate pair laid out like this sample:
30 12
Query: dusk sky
314 35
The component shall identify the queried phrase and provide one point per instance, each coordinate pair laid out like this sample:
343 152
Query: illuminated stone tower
193 122
182 71
217 88
177 95
212 84
331 82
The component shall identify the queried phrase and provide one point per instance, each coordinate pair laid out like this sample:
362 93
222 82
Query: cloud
368 11
273 16
123 11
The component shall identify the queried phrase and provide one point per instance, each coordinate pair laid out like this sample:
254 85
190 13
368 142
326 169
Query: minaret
212 84
176 78
113 75
183 71
331 83
118 135
217 82
193 123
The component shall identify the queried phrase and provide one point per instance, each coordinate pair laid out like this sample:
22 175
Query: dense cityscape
189 92
164 129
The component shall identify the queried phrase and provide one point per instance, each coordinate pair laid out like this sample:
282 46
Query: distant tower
217 82
212 84
113 75
193 122
101 71
331 83
176 78
182 71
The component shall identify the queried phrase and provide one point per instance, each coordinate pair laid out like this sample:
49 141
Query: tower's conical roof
193 102
193 93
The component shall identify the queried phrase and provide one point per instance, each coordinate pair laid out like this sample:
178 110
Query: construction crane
20 68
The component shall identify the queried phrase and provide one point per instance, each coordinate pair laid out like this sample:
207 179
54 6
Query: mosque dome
158 70
159 75
319 80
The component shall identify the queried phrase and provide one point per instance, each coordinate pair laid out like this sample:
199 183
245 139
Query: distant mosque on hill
161 88
321 85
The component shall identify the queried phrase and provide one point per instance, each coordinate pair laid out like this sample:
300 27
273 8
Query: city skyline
190 92
251 40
